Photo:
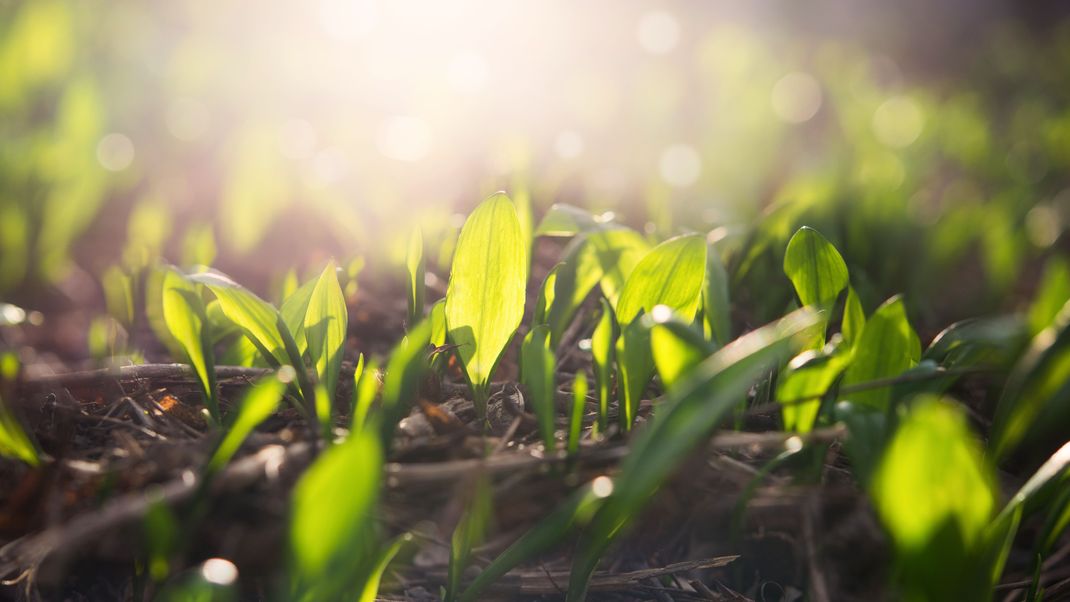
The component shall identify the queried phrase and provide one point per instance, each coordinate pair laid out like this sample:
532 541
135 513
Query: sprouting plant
336 551
602 345
575 423
186 319
326 323
407 366
671 275
485 297
469 533
537 377
887 346
259 402
693 408
416 266
817 271
15 442
716 305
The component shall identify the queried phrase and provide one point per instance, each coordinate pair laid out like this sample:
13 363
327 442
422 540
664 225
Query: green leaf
293 311
677 347
1052 294
545 300
979 342
326 325
617 251
716 305
416 266
254 316
404 372
371 584
260 402
14 442
184 314
602 345
574 512
693 409
437 318
365 388
485 297
537 377
811 374
854 318
579 402
936 497
815 267
672 275
1034 399
333 535
886 348
469 533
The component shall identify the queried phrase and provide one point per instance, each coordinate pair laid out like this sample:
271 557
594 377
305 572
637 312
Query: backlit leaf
260 402
485 298
886 348
184 314
815 267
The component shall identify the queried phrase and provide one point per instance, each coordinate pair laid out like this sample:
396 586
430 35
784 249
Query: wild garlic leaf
326 325
469 533
602 345
936 497
537 377
886 348
14 442
672 275
404 371
810 375
186 319
546 297
716 305
485 297
293 310
333 536
854 317
815 267
259 402
416 267
1052 294
256 317
565 220
677 347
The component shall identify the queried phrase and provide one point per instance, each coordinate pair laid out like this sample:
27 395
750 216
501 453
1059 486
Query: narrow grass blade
468 534
416 267
579 401
260 402
602 346
537 377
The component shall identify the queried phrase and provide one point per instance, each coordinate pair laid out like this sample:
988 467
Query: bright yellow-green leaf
810 375
886 348
854 317
814 267
602 347
672 275
260 402
326 325
579 402
14 442
1052 294
716 306
537 377
677 348
293 310
333 536
936 497
469 533
485 298
415 264
256 317
184 314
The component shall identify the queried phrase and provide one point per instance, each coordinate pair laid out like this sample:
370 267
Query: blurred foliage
201 131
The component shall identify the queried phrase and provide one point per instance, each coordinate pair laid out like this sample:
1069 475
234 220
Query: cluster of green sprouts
657 320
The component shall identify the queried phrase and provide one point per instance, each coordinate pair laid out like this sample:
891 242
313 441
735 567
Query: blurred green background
931 144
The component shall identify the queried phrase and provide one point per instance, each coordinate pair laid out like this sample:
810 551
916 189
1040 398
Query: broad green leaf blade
572 513
256 317
602 346
671 275
692 411
617 252
854 318
469 533
293 311
635 366
326 325
537 377
935 496
260 402
485 297
437 318
416 267
1034 399
333 536
809 377
677 347
184 314
716 305
815 267
365 389
887 347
